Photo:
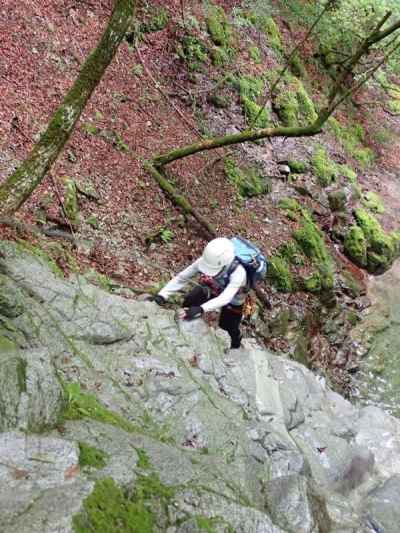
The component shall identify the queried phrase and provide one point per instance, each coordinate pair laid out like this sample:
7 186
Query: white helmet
217 254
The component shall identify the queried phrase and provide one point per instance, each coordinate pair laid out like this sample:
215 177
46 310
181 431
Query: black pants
229 319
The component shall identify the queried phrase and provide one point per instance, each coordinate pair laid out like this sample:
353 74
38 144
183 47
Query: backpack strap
236 262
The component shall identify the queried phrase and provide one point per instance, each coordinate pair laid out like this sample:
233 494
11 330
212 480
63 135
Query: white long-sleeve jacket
237 282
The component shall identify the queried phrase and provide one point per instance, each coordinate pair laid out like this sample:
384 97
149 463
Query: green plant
248 181
373 202
324 168
89 456
255 54
218 26
279 274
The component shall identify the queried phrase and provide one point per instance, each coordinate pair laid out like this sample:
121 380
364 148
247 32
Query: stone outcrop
116 416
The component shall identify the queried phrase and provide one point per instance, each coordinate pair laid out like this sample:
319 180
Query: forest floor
148 102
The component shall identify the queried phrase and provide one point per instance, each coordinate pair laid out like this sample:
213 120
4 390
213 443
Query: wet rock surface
194 434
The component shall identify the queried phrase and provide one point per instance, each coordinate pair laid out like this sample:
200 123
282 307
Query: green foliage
90 128
351 137
156 19
192 50
218 26
325 169
251 89
144 461
368 245
337 200
347 172
311 241
394 106
91 456
297 66
268 26
161 235
92 221
293 105
355 246
279 274
248 181
297 167
291 206
83 405
291 252
255 54
219 56
373 202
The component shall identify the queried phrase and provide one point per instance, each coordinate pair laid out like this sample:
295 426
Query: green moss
290 204
109 509
82 405
255 115
291 252
218 26
381 247
219 56
297 167
220 101
373 202
268 26
337 200
156 19
255 54
297 66
394 106
293 105
251 89
347 172
314 283
71 207
248 181
279 274
143 461
191 49
21 374
6 344
91 456
324 168
42 254
311 241
352 138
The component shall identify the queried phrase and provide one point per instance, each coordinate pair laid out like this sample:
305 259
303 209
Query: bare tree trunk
20 185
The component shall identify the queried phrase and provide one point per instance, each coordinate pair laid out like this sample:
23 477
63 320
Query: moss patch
21 375
373 202
218 26
297 167
279 274
156 19
248 181
251 89
352 138
311 241
91 456
255 54
71 207
324 168
268 26
293 104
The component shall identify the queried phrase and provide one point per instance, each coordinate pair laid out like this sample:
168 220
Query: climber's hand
192 312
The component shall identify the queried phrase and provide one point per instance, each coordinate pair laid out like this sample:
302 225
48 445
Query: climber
223 284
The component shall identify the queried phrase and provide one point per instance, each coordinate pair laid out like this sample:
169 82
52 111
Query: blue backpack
251 258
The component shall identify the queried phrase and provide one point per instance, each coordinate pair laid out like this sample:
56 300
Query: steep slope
116 416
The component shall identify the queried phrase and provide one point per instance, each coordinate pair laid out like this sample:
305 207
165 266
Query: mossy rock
11 300
297 66
248 181
373 202
337 200
293 105
280 275
379 242
325 169
218 26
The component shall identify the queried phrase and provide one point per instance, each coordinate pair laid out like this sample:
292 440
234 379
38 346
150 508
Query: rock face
116 417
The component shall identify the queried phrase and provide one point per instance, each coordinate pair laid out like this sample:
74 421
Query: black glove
160 300
194 312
